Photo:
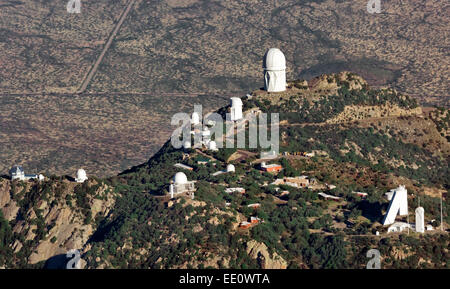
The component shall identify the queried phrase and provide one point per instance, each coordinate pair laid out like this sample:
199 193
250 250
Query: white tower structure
420 220
236 108
274 65
398 205
195 119
81 176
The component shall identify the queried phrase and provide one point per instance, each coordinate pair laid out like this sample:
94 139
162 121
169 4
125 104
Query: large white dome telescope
274 64
180 178
81 176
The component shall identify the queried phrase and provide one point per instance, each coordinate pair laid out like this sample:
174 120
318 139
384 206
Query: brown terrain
104 134
66 225
185 46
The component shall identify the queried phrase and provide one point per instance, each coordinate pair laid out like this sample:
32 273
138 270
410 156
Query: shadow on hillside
371 211
57 262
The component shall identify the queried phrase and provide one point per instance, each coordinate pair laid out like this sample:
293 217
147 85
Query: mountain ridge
140 227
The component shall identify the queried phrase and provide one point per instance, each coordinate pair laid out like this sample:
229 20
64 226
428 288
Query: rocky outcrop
66 225
332 82
260 252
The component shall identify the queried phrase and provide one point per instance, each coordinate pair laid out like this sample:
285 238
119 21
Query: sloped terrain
216 46
104 134
296 228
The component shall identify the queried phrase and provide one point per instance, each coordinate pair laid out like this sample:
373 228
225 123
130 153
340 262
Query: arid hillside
104 134
217 46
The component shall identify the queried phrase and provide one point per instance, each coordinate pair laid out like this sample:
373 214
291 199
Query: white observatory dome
274 64
274 60
206 132
236 102
212 145
195 119
81 176
230 168
180 178
187 145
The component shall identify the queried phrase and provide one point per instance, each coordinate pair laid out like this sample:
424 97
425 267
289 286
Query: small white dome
180 178
81 174
206 132
236 101
230 168
274 60
195 119
187 145
212 145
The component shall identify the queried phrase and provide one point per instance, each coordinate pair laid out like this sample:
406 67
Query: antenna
442 225
407 220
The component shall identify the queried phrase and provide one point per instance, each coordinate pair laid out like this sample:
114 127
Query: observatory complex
17 173
274 65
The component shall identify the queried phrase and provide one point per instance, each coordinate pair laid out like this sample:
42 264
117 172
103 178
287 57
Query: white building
397 206
187 145
235 190
231 168
327 196
183 166
274 65
420 220
17 173
212 146
81 176
398 227
195 119
180 184
236 108
206 136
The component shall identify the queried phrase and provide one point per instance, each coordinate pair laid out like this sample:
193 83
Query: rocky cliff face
259 251
53 217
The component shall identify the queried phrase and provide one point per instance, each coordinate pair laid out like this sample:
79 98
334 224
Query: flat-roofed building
272 168
183 166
